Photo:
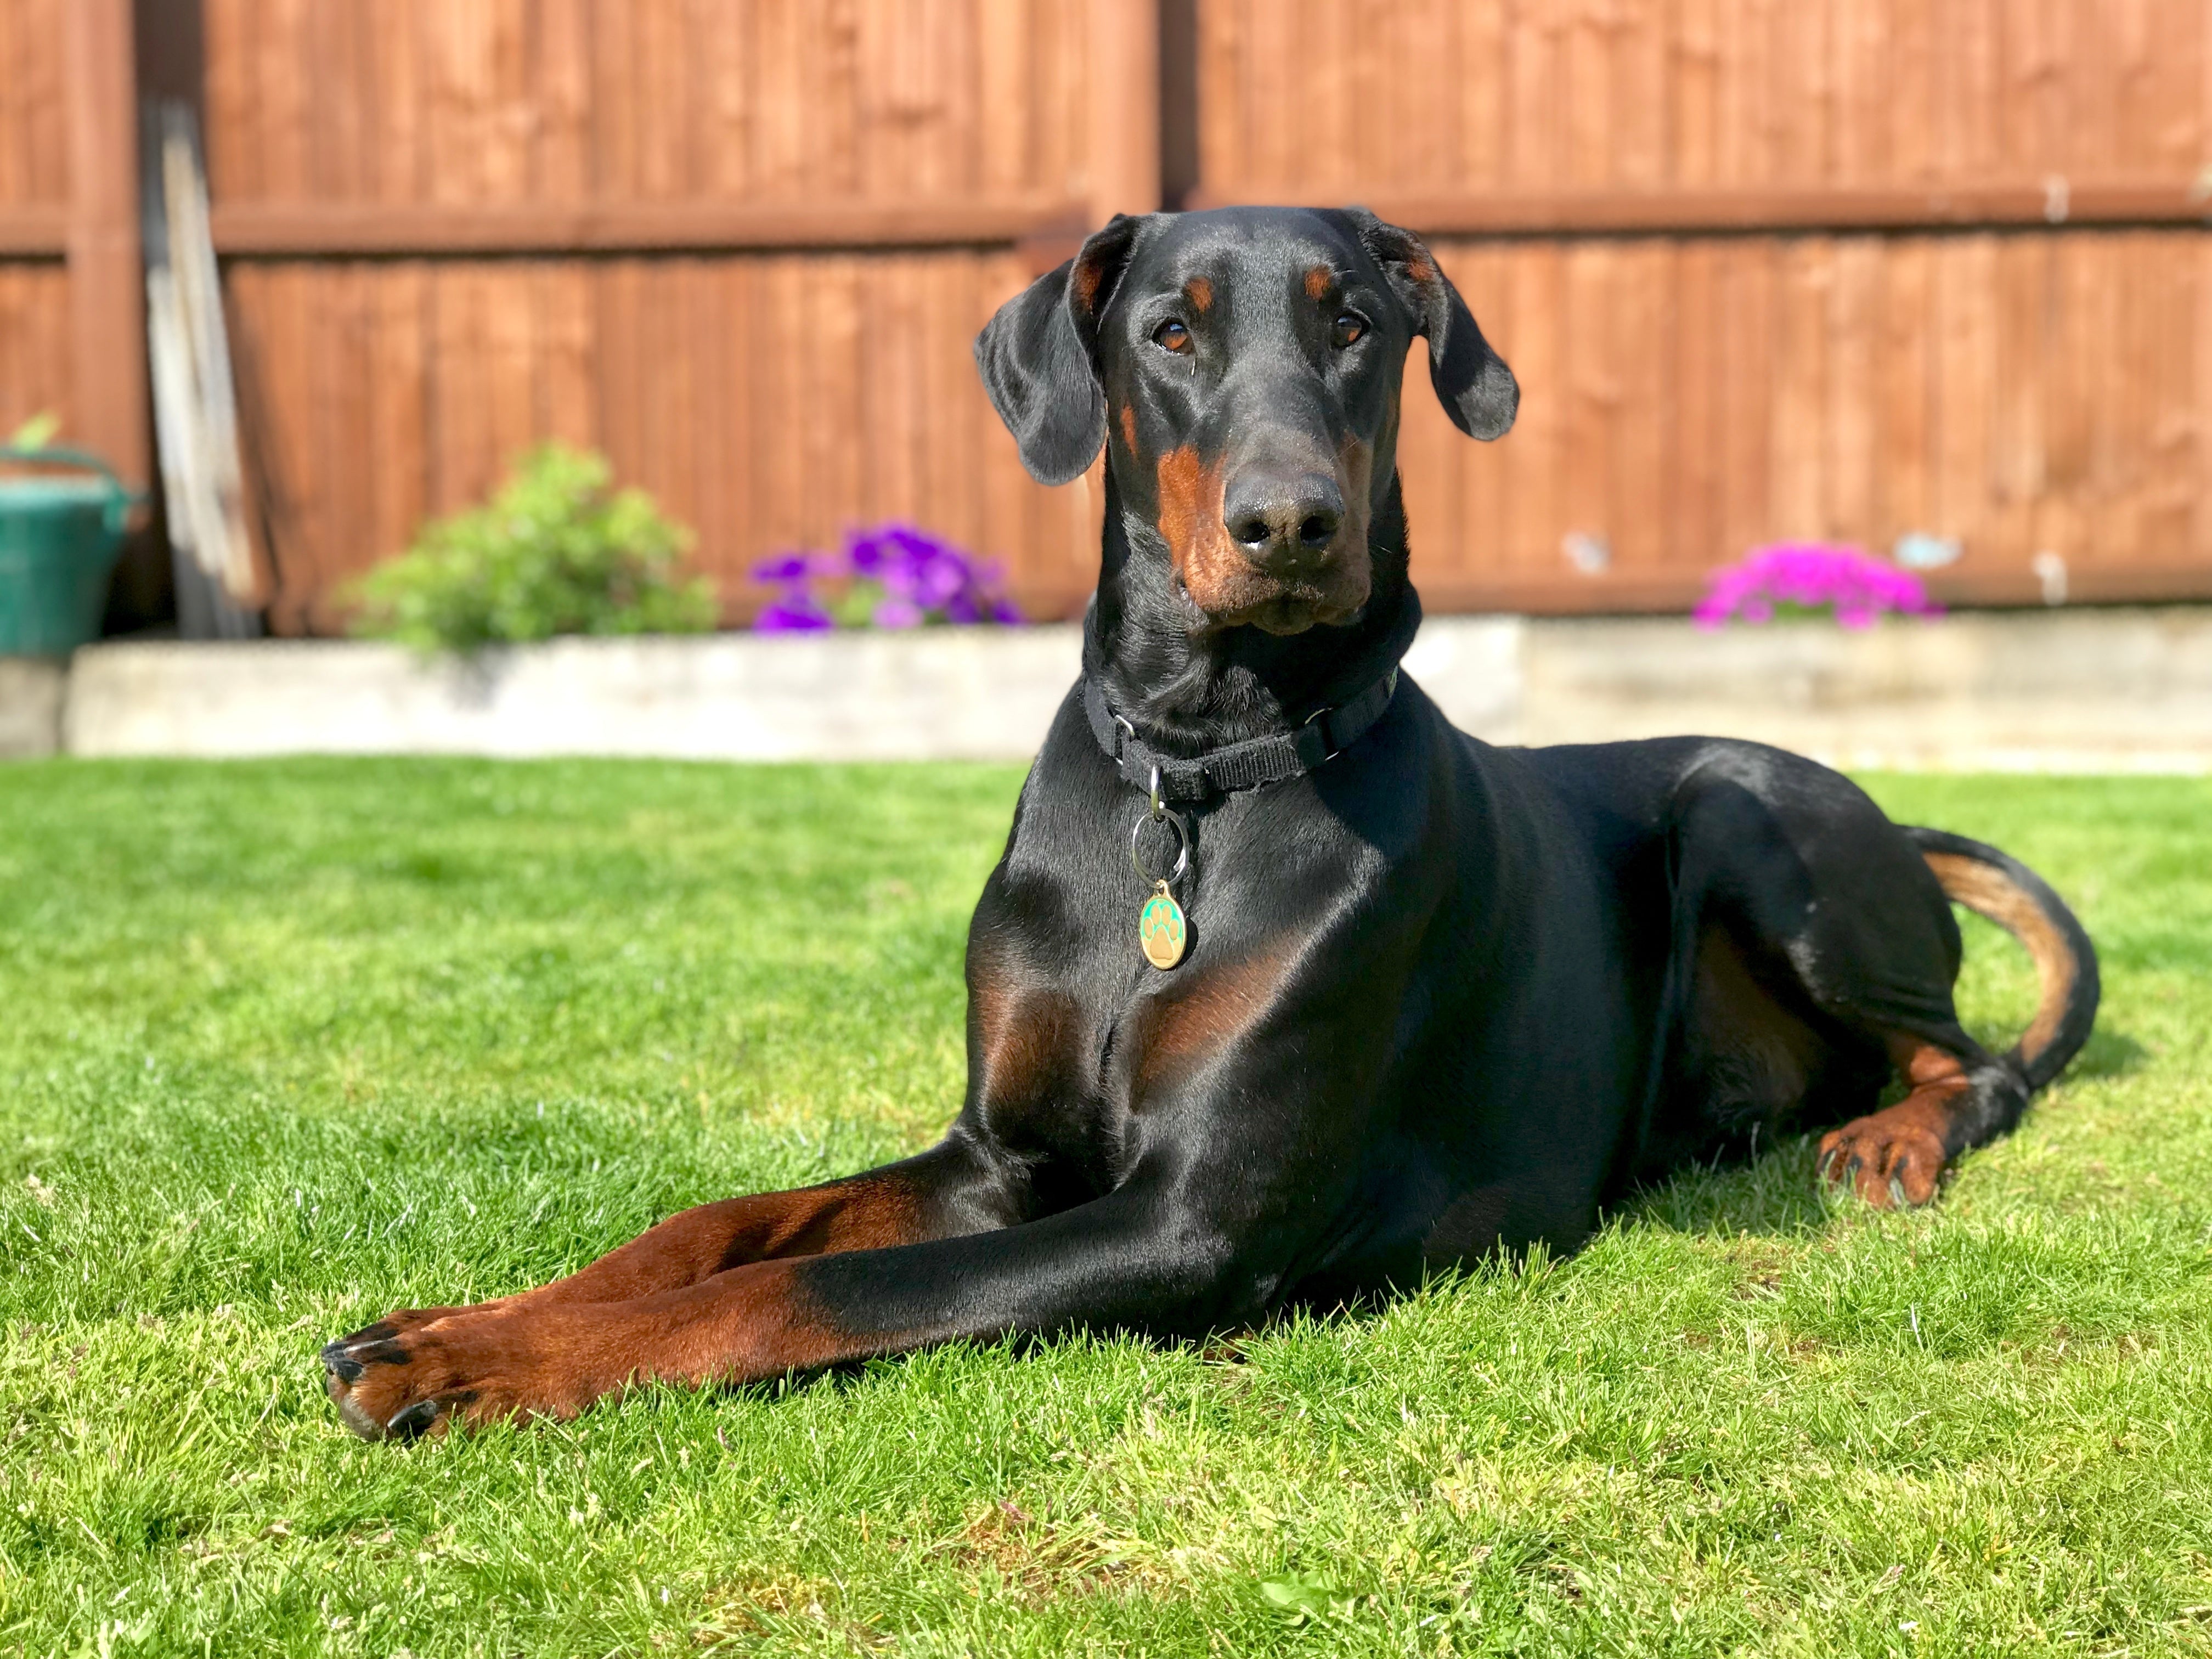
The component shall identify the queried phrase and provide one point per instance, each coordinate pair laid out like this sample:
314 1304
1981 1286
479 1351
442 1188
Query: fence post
107 299
1125 108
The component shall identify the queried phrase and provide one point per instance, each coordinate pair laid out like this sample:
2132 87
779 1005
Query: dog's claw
409 1422
346 1363
349 1409
1893 1163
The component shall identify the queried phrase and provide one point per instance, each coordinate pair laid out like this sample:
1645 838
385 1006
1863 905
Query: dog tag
1160 928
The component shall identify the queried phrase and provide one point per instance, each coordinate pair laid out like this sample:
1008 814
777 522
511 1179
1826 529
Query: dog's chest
1078 1068
1082 1051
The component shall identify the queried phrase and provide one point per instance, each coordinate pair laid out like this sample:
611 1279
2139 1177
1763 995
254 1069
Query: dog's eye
1349 328
1171 336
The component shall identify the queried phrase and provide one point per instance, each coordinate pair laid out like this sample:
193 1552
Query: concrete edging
2120 690
32 690
2080 691
944 693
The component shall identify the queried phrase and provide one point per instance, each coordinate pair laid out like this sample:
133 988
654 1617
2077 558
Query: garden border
2082 690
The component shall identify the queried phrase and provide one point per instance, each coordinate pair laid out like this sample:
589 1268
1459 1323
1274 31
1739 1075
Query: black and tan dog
1397 1000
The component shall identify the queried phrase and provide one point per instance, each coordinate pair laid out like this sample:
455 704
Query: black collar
1274 758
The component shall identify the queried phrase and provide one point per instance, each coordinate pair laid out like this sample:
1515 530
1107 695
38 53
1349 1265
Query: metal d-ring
1162 814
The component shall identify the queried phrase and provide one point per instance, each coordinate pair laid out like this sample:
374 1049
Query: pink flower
1858 588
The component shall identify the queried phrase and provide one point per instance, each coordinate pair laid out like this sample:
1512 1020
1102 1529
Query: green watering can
58 540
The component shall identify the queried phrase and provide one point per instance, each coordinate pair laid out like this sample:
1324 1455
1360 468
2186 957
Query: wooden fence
1766 268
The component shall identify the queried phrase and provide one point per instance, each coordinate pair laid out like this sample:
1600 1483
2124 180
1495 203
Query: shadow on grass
1781 1194
1777 1194
2109 1054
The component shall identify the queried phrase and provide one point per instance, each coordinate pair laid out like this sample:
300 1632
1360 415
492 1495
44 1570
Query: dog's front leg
1143 1257
952 1188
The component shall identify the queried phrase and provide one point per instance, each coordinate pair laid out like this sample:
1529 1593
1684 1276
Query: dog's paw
1893 1159
421 1370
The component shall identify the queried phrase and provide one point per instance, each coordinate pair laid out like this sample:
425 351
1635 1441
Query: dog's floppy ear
1038 357
1471 381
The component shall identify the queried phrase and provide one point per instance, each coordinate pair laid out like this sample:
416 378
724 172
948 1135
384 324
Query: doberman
1377 998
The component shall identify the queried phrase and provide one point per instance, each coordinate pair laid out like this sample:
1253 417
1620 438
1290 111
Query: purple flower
896 575
783 567
789 616
898 613
919 545
940 579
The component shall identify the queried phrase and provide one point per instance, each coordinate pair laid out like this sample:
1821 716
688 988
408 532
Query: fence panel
1767 269
744 250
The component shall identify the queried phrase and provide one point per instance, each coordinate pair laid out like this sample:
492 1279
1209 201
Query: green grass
283 1045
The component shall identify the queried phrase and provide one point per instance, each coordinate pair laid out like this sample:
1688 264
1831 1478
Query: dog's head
1244 365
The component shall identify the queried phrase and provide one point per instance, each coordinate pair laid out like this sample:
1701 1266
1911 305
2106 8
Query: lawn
285 1044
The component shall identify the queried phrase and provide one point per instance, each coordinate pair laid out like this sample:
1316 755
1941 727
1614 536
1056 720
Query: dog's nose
1283 518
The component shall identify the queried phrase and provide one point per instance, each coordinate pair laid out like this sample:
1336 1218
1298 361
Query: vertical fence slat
107 302
1798 501
1696 458
1854 391
1906 412
38 333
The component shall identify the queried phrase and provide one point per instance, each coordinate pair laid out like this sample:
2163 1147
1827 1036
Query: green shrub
556 551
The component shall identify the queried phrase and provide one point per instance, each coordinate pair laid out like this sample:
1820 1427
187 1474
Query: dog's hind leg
1853 915
1953 1105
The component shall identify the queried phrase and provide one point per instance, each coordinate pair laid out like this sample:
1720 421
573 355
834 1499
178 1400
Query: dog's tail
1992 884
